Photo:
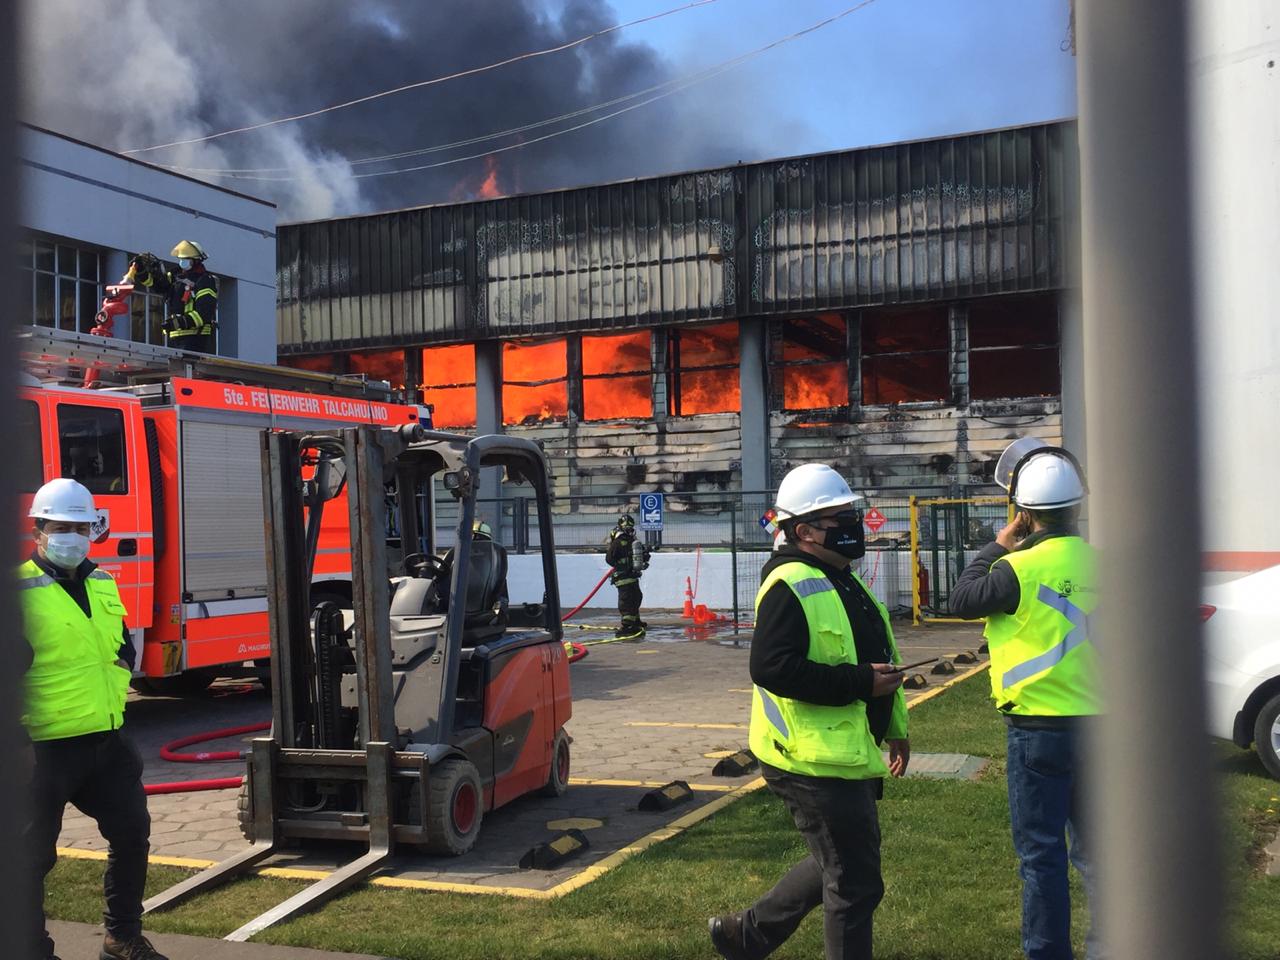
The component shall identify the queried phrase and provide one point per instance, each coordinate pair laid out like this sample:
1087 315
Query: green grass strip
950 872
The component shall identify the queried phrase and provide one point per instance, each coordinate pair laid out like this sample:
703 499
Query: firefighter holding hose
192 295
80 662
629 557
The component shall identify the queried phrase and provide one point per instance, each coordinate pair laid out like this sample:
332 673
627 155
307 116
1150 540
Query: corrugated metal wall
939 219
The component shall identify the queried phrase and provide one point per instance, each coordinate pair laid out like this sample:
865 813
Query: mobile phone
911 666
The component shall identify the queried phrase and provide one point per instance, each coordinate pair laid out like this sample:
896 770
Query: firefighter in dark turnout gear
628 557
192 295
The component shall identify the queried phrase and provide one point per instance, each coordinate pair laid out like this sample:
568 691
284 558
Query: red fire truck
168 443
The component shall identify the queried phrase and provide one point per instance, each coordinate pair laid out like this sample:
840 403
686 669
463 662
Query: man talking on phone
1036 588
827 693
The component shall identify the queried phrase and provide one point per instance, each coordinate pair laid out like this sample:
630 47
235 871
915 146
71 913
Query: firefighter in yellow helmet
1036 586
80 661
192 295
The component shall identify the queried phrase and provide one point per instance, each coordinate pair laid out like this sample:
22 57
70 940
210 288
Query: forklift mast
371 739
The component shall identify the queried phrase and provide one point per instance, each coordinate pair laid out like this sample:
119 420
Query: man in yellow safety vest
826 695
1037 588
81 659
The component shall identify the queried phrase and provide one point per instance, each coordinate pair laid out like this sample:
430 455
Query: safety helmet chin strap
1062 452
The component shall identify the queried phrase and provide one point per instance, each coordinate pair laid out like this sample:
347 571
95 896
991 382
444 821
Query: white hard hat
811 487
1047 480
63 499
1013 454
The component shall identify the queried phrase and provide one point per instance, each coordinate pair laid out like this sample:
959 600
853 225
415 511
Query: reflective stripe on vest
1042 660
807 738
73 686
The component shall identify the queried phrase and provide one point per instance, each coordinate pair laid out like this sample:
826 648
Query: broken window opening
615 377
1014 347
905 353
811 361
385 365
449 385
330 363
535 382
703 370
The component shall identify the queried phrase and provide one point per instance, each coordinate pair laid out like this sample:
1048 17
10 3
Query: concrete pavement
644 714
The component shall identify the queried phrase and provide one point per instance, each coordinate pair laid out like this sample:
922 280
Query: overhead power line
674 86
568 45
681 82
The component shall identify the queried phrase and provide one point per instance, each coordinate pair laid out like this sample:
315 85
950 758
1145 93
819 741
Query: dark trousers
101 775
629 598
1046 807
197 342
841 827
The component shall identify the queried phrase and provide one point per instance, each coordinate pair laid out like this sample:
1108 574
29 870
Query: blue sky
895 70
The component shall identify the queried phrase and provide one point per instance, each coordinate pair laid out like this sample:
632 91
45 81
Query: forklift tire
244 809
454 809
558 780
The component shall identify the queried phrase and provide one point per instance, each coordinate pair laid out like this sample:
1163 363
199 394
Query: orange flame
449 378
708 391
607 396
489 188
815 386
534 387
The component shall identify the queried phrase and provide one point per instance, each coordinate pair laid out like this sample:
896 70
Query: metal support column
369 587
753 379
1158 863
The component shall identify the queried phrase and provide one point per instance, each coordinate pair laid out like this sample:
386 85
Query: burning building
899 311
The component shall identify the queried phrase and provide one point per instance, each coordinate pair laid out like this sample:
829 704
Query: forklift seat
486 612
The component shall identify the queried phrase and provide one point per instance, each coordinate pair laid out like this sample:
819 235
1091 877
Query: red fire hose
170 752
587 598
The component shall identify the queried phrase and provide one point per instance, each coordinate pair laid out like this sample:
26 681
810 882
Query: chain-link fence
717 542
949 532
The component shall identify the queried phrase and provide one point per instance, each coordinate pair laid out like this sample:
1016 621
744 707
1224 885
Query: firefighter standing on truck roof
192 295
74 696
628 556
826 695
1037 588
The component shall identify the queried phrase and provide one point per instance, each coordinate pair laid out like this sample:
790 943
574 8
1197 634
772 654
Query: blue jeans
1046 808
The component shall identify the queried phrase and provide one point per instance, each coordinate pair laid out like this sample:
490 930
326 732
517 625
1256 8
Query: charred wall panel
897 446
685 454
940 219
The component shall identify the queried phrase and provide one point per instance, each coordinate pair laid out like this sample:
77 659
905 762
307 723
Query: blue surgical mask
184 264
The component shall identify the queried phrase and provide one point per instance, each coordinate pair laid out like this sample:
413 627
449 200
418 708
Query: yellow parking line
686 726
578 880
705 787
930 694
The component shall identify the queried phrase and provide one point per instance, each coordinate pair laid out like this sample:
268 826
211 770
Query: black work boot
137 948
726 937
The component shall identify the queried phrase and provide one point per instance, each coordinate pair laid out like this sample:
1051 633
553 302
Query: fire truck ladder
63 357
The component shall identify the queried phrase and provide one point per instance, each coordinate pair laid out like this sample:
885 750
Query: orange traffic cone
687 613
701 615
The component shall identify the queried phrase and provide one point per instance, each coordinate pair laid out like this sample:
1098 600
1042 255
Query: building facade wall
92 201
893 310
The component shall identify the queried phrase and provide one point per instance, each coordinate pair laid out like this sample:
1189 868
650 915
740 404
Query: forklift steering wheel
426 566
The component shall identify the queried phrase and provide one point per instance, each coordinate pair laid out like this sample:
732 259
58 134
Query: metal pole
733 553
23 882
1151 773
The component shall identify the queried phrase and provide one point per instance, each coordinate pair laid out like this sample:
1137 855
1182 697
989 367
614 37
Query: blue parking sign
650 511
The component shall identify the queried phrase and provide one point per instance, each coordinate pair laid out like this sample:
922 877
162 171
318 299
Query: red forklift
431 702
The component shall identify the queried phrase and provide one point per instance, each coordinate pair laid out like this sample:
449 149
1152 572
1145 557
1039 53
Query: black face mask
846 537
